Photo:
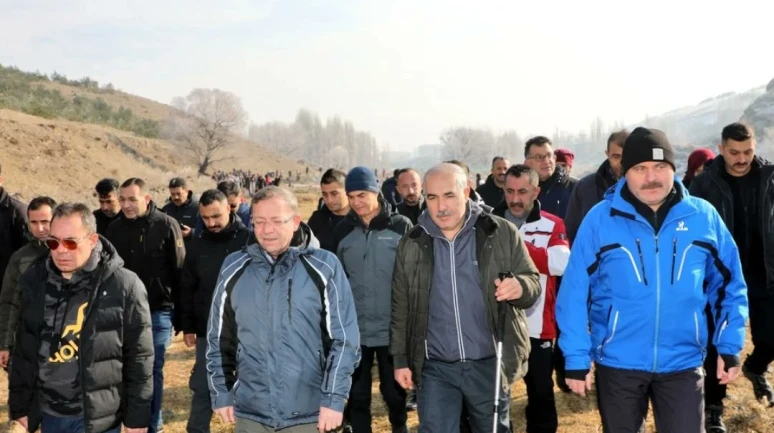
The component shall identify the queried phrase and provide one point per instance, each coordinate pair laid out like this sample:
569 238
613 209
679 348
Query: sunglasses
70 244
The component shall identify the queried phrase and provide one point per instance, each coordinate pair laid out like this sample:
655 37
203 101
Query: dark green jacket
499 247
10 296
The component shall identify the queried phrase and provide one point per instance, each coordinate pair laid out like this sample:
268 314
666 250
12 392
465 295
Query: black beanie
645 145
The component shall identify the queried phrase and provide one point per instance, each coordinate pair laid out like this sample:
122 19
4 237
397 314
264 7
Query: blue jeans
162 335
55 424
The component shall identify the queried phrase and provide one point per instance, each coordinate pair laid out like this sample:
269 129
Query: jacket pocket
612 326
682 262
700 328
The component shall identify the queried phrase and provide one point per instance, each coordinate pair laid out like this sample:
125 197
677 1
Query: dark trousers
358 410
448 387
74 424
541 406
714 392
762 330
201 409
678 400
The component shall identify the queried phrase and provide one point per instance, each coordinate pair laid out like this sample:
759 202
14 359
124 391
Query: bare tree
474 146
207 122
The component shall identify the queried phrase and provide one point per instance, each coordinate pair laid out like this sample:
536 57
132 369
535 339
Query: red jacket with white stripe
546 239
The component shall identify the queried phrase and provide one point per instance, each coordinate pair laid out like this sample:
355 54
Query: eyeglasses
275 223
70 244
541 157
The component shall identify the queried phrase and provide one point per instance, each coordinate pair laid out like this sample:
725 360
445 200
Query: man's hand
580 387
403 377
329 420
226 414
729 376
189 339
185 230
135 430
23 421
4 356
508 289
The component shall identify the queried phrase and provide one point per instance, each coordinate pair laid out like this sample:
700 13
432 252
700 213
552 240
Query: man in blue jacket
645 263
282 336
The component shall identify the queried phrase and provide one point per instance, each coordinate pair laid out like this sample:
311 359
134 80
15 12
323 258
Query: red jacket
546 239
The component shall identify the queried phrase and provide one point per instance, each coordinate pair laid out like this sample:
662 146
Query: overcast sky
405 70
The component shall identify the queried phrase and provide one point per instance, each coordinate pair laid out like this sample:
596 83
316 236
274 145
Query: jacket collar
620 206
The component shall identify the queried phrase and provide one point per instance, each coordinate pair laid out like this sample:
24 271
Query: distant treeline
21 91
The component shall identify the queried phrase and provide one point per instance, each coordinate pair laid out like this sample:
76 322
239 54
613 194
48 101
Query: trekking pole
501 313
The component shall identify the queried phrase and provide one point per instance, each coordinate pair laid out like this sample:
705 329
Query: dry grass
76 166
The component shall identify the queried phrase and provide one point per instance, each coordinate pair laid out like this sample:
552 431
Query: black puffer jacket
555 192
13 227
587 193
200 272
152 246
712 186
116 348
187 213
491 193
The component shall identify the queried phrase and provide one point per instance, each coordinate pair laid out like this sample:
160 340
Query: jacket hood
472 213
304 239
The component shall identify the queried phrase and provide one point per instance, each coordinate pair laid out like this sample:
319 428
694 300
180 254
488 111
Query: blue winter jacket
643 294
269 331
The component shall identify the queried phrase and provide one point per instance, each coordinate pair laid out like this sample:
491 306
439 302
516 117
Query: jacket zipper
290 300
658 304
674 258
642 260
328 372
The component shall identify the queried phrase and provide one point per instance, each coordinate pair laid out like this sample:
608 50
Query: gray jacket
368 258
282 336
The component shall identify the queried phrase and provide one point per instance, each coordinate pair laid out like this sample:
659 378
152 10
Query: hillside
47 153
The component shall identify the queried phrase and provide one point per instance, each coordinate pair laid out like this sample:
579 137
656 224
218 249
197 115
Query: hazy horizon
406 71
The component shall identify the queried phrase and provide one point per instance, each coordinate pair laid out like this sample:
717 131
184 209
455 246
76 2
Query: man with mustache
546 240
492 190
446 288
223 234
410 188
646 262
109 207
740 185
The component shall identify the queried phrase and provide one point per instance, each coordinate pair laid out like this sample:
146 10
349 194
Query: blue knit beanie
361 179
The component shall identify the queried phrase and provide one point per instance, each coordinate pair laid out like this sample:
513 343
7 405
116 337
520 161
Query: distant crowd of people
629 280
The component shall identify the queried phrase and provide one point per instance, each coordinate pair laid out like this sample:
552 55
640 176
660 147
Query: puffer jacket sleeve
727 292
399 316
572 314
10 298
523 269
20 379
344 355
137 352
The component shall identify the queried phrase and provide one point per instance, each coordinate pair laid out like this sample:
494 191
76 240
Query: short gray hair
275 191
69 209
460 177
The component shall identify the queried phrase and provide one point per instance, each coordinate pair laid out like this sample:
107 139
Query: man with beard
492 190
334 207
645 264
39 214
223 234
555 184
182 206
151 245
410 189
109 207
546 240
740 185
591 189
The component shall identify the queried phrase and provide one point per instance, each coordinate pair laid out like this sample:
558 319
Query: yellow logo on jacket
69 351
